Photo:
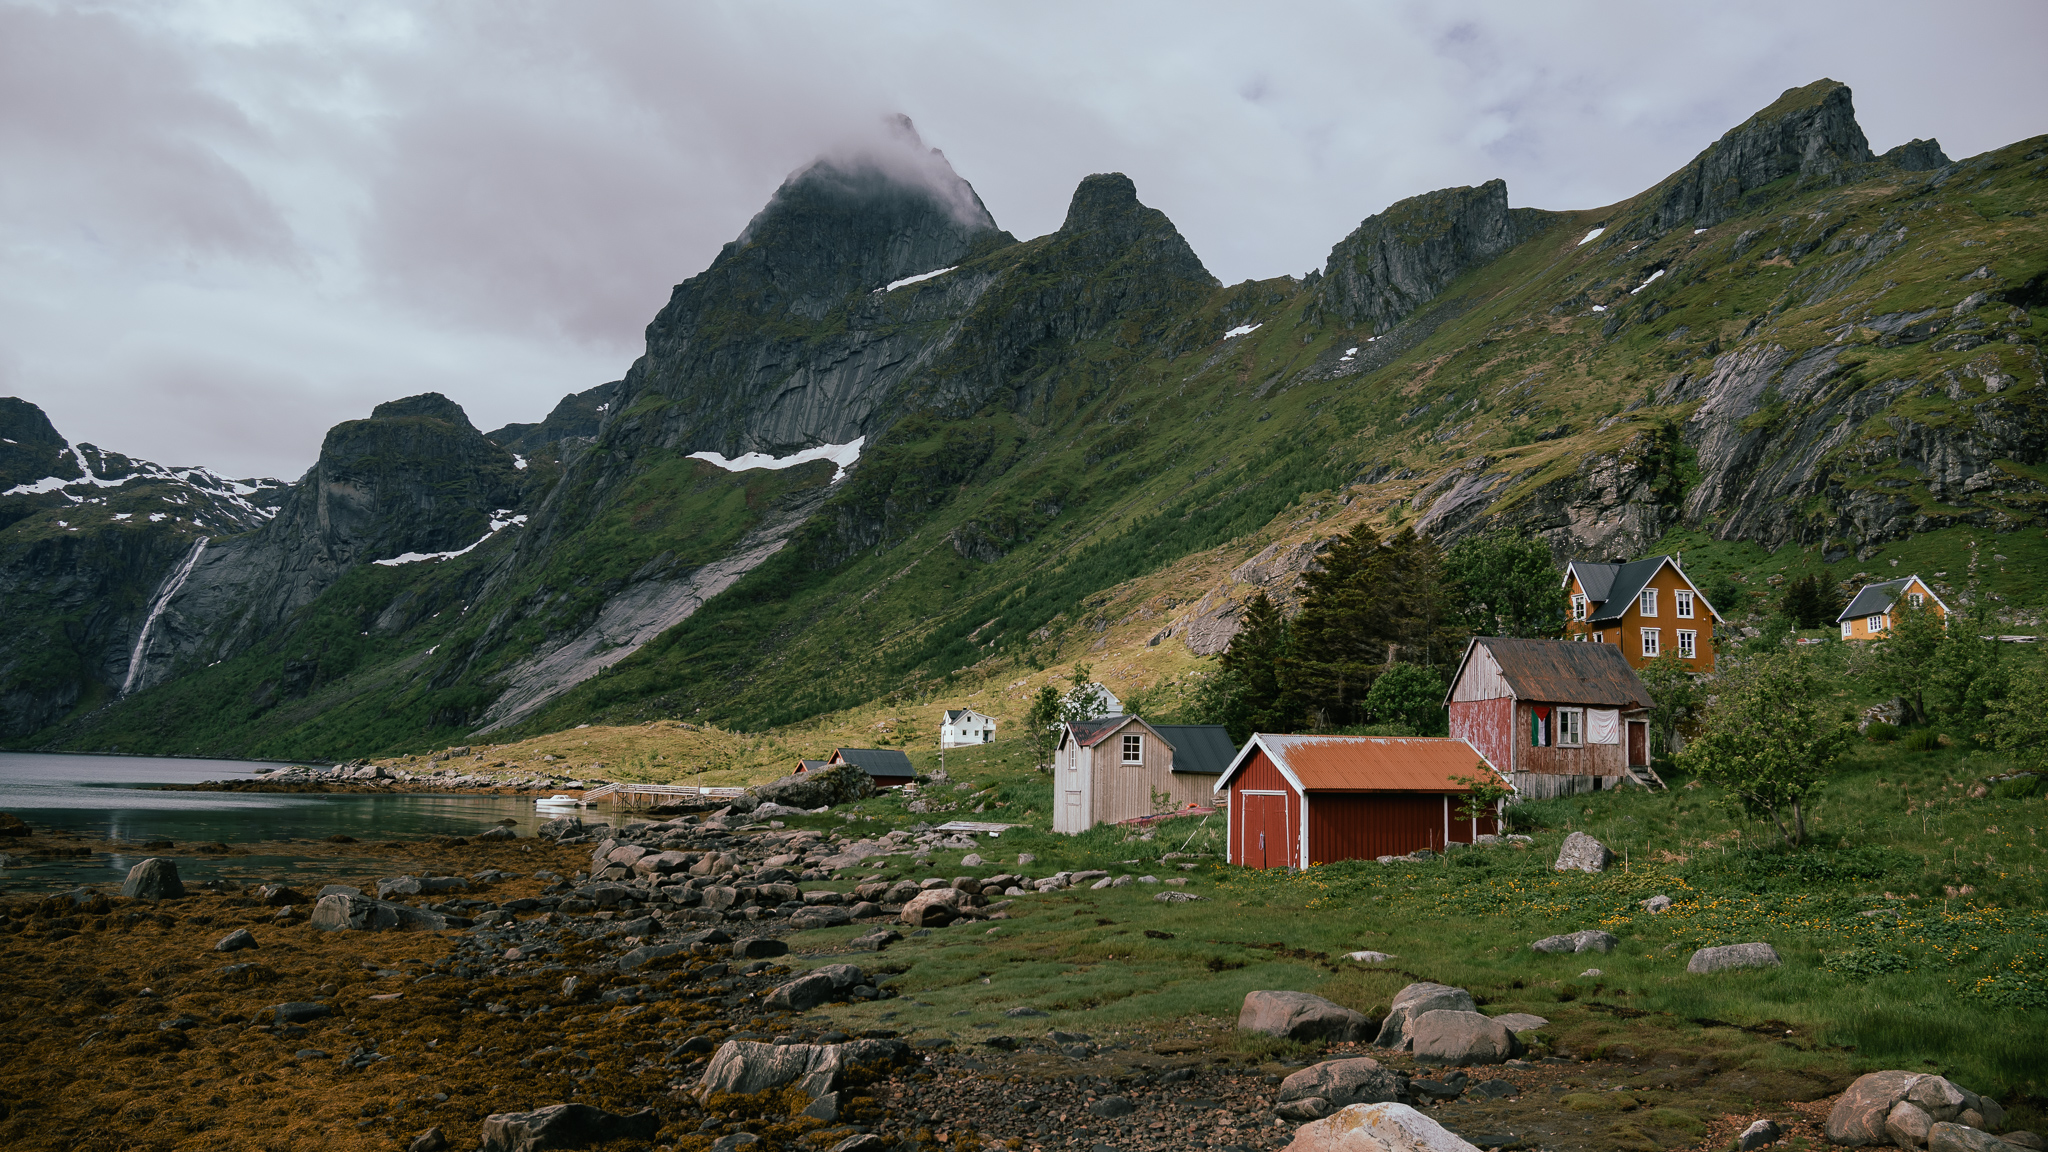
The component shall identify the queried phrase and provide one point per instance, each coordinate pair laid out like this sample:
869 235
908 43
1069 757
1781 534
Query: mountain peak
1101 200
432 405
1809 133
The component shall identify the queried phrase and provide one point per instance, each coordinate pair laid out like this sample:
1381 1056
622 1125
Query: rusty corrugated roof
1565 671
1370 763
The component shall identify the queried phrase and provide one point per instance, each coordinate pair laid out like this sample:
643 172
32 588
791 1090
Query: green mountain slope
1080 446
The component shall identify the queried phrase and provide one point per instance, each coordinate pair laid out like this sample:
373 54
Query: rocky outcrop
1917 156
1809 133
415 479
1402 258
576 417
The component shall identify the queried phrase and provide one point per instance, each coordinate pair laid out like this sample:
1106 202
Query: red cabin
1317 799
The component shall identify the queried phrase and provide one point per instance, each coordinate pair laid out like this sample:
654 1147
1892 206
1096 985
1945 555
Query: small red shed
1316 799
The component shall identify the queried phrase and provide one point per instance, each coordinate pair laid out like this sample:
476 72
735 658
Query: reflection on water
120 798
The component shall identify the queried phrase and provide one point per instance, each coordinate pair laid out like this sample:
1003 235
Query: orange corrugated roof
1374 763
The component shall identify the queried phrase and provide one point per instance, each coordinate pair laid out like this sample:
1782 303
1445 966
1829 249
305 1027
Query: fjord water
123 798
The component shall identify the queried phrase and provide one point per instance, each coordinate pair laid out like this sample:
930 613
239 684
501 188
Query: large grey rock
1413 1001
1521 1021
935 907
744 1067
235 941
1377 1128
1589 940
564 1126
661 863
818 986
1729 956
1448 1036
1757 1135
840 784
1582 853
1301 1016
1871 1106
362 914
822 916
153 879
1947 1137
1335 1084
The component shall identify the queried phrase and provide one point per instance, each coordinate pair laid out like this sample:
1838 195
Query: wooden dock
652 794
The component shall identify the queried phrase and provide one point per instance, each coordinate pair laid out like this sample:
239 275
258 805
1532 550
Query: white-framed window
1650 646
1876 624
1648 602
1686 643
1917 600
1848 626
1684 600
1134 749
1581 637
1571 727
1073 759
1578 607
1599 637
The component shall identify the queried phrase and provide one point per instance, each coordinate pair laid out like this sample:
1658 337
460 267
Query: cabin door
1638 744
1266 844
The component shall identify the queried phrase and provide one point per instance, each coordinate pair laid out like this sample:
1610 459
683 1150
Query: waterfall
156 609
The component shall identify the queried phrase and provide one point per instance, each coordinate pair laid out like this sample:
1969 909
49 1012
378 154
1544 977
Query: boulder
818 986
877 940
1369 957
1323 1088
647 954
432 1140
298 1011
559 827
1582 853
362 914
1757 1135
1946 1137
1656 904
235 941
1377 1128
745 1067
280 896
564 1126
398 886
1589 940
1521 1021
154 879
822 916
1449 1036
838 784
1413 1001
661 863
1733 956
1906 1125
759 948
1301 1016
935 907
1869 1111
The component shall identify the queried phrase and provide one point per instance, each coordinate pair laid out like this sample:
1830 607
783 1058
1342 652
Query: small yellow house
1871 614
1647 607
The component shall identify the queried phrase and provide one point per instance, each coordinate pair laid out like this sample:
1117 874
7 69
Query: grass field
1949 973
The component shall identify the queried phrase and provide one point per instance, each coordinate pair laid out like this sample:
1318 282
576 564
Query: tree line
1382 623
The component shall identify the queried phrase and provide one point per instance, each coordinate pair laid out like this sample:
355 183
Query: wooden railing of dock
660 793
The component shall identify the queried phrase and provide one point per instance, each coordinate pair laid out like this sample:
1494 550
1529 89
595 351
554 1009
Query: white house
964 726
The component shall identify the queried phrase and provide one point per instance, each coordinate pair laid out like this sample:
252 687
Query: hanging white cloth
1603 727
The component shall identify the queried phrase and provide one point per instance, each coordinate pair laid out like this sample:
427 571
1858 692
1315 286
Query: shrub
1881 732
1921 740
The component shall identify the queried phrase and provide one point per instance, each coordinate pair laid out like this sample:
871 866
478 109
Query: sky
227 226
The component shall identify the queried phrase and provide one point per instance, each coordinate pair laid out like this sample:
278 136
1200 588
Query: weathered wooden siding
1255 781
1189 788
1124 791
1587 760
1480 680
1548 785
1490 725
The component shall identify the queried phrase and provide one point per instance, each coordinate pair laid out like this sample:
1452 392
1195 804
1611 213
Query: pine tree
1340 637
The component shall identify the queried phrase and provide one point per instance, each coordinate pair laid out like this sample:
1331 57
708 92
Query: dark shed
887 767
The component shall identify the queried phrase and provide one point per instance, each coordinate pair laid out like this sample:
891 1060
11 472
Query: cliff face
1808 133
1400 259
415 478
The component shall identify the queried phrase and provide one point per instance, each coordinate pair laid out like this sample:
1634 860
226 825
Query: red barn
1316 799
1558 717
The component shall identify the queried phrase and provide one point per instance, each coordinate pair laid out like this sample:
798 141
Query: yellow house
1648 607
1869 615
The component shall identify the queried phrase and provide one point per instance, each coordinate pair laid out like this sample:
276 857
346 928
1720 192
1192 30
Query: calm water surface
122 798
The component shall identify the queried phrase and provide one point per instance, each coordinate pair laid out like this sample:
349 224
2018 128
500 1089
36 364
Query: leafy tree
1505 585
1676 702
1368 604
1771 739
2019 722
1905 658
1969 673
1727 596
1409 694
1771 636
1484 790
1803 604
1042 723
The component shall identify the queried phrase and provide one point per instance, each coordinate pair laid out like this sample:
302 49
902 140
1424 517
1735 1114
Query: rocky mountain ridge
1081 443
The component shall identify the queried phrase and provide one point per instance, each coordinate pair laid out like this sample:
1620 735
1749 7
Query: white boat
558 802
